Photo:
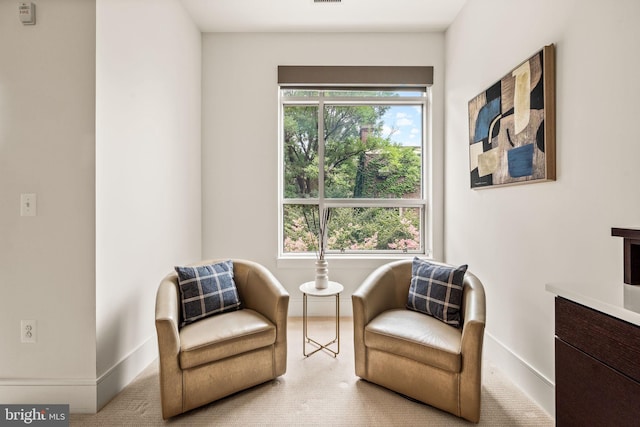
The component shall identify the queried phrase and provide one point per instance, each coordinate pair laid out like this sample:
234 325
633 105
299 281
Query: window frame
423 203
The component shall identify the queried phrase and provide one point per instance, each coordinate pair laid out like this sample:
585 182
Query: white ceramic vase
322 274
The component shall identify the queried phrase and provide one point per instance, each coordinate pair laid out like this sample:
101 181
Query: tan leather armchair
225 353
414 354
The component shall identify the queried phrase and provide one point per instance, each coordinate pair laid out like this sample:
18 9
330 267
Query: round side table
309 288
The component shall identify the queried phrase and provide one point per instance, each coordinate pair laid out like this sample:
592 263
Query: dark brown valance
388 77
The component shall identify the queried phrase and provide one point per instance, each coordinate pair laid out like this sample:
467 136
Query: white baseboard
79 394
532 382
120 375
83 395
321 306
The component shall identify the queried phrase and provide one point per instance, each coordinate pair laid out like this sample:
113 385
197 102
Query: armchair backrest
397 279
392 282
250 279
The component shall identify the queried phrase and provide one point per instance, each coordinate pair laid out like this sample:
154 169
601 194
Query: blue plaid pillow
436 290
207 290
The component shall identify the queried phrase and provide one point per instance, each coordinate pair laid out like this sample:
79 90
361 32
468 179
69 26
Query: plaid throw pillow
207 290
436 290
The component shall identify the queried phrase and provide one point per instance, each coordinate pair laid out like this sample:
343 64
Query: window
358 155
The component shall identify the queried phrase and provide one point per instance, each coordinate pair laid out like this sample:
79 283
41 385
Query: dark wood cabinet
597 360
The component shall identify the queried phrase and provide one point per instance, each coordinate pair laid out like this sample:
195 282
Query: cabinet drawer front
613 341
588 393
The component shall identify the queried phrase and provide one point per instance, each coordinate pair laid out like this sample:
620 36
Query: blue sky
404 123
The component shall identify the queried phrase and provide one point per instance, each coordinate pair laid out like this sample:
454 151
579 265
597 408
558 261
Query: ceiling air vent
327 1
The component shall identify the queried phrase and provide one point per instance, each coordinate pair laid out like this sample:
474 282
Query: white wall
240 139
47 262
517 239
100 117
147 173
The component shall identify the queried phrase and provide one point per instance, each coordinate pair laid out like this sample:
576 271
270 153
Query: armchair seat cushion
224 335
415 336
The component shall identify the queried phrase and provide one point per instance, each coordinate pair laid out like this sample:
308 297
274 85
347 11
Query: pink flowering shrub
412 243
384 229
298 237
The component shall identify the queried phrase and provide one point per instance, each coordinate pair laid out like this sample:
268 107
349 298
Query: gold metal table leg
307 340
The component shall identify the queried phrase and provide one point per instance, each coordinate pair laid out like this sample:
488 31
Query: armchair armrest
167 320
474 316
168 316
384 289
261 291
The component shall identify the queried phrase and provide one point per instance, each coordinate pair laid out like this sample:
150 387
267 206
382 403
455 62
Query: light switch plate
28 204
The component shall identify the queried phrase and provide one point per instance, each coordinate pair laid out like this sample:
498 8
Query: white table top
623 302
333 288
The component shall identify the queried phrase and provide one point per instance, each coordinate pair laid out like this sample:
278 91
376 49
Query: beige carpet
319 390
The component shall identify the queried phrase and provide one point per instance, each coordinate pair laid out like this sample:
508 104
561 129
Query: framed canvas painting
512 126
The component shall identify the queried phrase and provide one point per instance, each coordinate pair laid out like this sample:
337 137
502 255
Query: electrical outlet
28 331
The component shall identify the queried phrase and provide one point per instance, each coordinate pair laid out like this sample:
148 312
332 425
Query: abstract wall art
512 126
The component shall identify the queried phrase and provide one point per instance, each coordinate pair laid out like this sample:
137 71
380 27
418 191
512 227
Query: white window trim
291 260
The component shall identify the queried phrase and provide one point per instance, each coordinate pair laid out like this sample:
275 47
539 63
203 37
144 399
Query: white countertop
623 302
